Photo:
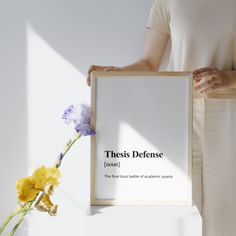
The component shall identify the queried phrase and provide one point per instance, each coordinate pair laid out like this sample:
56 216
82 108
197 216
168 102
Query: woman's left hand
210 79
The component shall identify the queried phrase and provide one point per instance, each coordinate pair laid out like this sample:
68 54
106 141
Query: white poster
141 153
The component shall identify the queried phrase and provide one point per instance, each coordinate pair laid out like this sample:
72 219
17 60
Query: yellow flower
29 187
44 176
46 201
25 189
46 205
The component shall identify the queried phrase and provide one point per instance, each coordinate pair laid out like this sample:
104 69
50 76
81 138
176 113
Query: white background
46 47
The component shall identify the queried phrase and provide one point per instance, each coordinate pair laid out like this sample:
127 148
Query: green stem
9 218
70 145
24 213
68 148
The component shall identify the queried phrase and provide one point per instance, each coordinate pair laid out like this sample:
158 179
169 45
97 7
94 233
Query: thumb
108 68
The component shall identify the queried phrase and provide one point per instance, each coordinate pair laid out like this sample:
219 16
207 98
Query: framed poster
141 153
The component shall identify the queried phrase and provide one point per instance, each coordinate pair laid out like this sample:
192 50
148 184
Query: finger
90 70
109 68
94 67
113 68
211 89
88 80
203 69
206 74
206 84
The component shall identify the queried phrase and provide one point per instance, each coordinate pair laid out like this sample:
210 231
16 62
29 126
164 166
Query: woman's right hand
100 68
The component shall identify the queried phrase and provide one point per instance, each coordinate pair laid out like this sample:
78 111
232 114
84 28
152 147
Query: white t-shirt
203 32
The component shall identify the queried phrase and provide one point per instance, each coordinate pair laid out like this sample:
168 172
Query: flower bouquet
33 192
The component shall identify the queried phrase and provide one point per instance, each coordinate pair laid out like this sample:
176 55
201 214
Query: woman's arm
155 44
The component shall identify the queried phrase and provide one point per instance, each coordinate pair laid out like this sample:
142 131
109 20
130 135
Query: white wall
46 47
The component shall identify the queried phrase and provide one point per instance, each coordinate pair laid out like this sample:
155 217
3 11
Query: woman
203 40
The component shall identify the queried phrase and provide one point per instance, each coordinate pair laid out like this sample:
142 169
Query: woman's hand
211 79
100 68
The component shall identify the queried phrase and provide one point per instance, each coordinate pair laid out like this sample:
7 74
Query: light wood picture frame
142 151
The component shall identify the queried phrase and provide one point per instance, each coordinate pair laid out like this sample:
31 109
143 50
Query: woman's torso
203 33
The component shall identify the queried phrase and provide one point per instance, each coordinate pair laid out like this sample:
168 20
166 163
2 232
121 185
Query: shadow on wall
88 32
13 102
82 32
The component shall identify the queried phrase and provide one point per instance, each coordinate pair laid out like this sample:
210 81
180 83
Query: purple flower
85 114
84 129
70 115
80 117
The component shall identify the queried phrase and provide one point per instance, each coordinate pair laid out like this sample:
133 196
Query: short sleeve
159 17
